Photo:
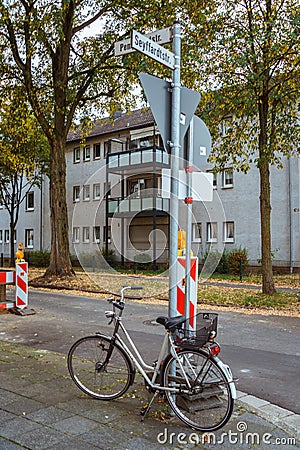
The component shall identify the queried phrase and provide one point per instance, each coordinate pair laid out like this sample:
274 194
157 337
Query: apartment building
115 202
33 227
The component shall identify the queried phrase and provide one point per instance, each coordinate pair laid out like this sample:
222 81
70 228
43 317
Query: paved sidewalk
41 408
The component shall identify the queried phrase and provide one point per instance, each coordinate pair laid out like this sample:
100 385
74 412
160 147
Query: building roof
135 119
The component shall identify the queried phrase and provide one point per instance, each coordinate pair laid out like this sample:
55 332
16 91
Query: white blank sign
202 185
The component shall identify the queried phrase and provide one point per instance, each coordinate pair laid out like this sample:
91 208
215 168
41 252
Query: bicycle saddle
171 322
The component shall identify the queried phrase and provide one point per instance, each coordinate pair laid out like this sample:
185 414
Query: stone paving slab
41 408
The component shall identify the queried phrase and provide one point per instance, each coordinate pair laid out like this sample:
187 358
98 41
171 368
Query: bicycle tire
86 366
207 405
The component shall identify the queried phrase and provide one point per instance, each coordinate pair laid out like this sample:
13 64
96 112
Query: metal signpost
199 146
175 154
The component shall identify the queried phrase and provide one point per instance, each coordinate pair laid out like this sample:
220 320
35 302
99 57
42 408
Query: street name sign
150 48
159 36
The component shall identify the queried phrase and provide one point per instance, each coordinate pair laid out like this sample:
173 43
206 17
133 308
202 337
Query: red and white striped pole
6 277
192 301
21 285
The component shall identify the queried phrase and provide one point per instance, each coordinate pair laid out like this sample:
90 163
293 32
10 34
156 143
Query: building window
97 151
228 231
86 235
29 238
6 236
212 232
227 176
30 201
197 232
87 153
86 192
96 191
75 234
226 126
76 155
1 236
108 235
96 234
214 178
76 193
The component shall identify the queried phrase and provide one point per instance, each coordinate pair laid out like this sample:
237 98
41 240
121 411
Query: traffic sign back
201 143
159 96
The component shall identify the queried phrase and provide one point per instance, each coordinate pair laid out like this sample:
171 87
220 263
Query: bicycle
198 386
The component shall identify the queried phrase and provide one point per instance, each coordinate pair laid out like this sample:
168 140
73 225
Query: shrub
111 256
211 261
235 258
227 262
37 258
223 266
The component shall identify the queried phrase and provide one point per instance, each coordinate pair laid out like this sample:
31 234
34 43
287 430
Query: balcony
128 207
137 160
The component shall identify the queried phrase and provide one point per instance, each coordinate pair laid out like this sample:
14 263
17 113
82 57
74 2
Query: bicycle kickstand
145 409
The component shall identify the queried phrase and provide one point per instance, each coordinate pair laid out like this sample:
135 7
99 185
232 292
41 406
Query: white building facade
115 202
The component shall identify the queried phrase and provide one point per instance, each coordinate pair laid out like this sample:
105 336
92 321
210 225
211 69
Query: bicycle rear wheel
94 373
206 404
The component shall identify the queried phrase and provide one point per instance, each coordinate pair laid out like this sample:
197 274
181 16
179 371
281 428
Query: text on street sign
150 48
159 36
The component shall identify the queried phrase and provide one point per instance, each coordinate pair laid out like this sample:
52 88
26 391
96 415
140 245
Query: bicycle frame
137 359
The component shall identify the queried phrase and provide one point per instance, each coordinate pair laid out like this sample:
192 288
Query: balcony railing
137 204
136 157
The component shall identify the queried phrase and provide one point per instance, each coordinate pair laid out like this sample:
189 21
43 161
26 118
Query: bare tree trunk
12 224
268 286
12 244
60 261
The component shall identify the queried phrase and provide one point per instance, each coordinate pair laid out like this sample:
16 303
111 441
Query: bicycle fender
228 374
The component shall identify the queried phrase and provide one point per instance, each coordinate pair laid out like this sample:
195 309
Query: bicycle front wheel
201 398
94 373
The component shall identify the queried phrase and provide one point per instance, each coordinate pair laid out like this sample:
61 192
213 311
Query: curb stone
283 418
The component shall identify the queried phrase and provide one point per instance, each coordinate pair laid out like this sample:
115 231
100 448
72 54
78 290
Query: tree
43 44
248 67
23 155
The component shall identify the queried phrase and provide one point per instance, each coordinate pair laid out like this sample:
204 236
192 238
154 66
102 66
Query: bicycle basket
205 323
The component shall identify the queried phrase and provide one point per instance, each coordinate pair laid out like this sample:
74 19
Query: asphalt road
262 351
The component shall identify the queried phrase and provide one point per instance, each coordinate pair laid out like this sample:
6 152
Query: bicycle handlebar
120 303
131 287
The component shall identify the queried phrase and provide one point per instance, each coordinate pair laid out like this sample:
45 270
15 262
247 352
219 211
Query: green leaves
23 147
248 59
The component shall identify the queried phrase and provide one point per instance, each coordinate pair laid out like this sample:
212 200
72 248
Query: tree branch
92 19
